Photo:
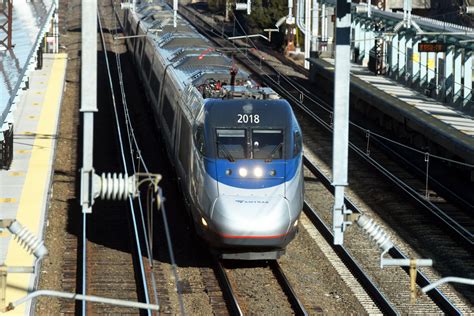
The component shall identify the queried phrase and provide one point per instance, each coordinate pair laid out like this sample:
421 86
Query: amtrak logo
251 202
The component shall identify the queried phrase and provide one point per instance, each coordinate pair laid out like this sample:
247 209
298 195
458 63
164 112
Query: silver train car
236 147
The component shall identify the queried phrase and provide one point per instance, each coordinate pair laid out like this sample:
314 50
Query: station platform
441 124
25 187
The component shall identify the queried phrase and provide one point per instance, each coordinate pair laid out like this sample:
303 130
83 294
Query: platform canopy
30 22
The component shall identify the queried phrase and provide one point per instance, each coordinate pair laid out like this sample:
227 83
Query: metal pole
88 107
324 24
341 116
90 298
56 27
446 280
10 22
315 34
175 13
307 35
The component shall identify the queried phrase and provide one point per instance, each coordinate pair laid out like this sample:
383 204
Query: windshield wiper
274 151
224 149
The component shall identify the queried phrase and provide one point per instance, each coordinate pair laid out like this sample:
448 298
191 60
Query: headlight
203 221
258 172
243 172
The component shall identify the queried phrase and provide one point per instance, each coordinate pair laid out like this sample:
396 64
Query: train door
184 152
139 44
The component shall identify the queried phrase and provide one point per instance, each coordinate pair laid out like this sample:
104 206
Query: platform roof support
431 71
6 27
362 43
402 56
368 45
468 56
457 87
341 117
423 70
393 61
408 59
357 32
448 74
416 61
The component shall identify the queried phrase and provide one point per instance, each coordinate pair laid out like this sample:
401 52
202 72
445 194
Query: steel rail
436 295
229 295
143 275
375 294
296 304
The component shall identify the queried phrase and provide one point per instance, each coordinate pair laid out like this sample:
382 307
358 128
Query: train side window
199 140
298 143
127 26
184 144
139 51
154 84
146 65
168 113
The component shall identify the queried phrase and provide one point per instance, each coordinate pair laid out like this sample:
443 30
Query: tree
265 13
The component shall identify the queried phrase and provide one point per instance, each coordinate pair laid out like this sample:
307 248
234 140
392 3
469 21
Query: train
236 146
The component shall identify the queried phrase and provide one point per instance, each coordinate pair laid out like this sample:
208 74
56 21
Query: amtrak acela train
236 146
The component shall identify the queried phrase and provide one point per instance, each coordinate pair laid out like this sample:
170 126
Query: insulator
469 10
375 232
28 240
116 186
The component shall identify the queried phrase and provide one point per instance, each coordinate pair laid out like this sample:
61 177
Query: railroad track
233 295
110 264
403 210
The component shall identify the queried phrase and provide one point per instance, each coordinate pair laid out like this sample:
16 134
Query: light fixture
258 172
243 172
203 221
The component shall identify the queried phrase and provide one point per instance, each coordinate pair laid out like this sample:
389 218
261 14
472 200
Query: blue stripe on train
217 168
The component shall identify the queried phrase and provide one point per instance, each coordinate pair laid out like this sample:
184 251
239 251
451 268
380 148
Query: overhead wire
124 162
132 136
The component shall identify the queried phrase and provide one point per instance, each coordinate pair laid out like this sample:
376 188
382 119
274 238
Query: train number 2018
248 118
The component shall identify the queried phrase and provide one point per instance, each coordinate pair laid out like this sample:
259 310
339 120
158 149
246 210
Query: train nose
251 217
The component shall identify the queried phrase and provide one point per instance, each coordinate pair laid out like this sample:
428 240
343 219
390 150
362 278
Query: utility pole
341 118
6 27
88 107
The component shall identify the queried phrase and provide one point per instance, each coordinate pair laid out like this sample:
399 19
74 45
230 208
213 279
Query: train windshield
232 144
267 144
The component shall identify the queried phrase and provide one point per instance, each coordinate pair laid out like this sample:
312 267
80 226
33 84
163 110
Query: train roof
194 59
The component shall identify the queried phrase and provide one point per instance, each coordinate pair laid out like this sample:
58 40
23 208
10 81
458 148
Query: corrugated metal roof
30 20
